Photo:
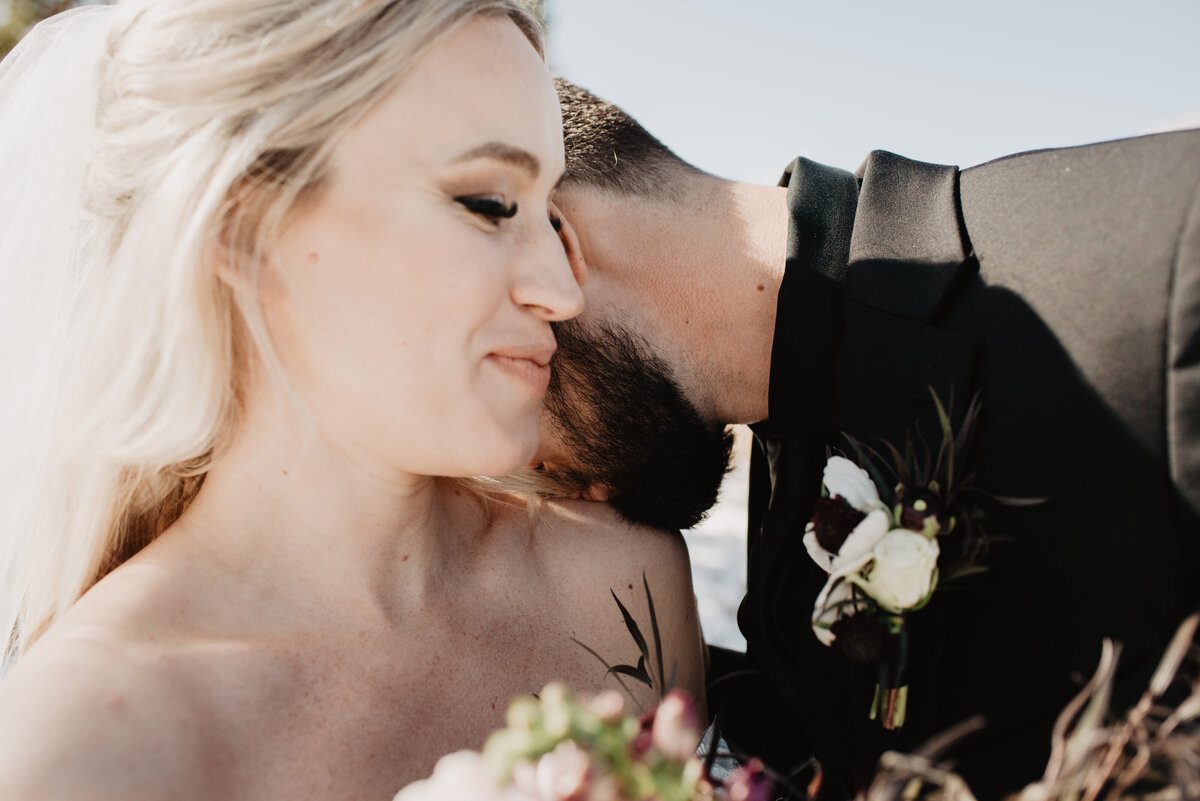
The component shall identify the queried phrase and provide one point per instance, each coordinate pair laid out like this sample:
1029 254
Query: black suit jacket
1064 287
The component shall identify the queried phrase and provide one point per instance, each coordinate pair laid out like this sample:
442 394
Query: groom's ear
570 243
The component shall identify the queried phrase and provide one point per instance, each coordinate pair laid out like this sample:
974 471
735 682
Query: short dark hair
607 149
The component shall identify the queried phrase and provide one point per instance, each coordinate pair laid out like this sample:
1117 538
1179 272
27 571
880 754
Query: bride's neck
284 506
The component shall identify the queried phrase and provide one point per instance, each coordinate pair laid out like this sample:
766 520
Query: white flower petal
461 775
826 592
822 557
833 593
843 477
862 539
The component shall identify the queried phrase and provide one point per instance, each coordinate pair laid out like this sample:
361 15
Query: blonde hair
215 118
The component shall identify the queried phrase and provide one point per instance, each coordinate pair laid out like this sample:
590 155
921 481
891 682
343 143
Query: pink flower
749 783
562 774
675 731
609 706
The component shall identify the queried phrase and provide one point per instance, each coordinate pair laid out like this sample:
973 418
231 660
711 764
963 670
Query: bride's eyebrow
506 153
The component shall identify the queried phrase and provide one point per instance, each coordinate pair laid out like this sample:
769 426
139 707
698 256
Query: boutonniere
890 531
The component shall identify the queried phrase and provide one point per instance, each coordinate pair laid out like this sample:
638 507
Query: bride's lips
531 365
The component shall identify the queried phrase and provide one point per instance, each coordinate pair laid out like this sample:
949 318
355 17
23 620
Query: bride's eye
490 207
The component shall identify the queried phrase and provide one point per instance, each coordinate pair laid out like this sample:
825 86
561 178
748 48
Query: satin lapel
908 252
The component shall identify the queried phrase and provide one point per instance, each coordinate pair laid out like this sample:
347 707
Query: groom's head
624 422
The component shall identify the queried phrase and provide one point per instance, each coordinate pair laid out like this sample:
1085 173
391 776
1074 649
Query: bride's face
419 285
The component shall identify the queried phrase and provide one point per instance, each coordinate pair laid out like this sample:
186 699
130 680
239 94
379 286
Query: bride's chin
502 459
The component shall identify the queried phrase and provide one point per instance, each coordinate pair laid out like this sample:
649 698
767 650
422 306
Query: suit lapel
908 252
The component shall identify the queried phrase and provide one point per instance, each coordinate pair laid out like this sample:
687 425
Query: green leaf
947 449
1006 500
922 476
863 457
903 474
933 585
962 571
966 434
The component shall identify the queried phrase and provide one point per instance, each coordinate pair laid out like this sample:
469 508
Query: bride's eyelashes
492 208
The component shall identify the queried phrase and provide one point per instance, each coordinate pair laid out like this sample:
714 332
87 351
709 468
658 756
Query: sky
739 89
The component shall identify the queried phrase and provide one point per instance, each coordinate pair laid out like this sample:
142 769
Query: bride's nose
545 282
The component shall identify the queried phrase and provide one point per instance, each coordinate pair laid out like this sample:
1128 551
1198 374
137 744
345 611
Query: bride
307 295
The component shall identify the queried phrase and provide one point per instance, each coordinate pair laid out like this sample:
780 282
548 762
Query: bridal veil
48 99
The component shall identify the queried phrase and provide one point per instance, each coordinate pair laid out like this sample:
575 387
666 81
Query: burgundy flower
644 738
833 519
863 638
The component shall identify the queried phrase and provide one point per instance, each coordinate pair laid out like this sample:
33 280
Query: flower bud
674 732
920 510
609 706
523 713
749 782
556 703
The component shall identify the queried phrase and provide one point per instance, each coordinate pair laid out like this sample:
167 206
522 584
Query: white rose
843 477
463 774
903 571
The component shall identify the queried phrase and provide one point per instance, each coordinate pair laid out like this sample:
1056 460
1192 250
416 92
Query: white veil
48 96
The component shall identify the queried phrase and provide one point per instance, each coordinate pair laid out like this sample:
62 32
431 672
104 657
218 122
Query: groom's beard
626 426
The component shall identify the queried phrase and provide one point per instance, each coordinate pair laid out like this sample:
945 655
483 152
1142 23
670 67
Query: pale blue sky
741 88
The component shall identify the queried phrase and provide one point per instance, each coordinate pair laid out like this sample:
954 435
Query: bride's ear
225 263
570 243
231 266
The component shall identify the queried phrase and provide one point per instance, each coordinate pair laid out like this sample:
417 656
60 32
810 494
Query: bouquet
560 747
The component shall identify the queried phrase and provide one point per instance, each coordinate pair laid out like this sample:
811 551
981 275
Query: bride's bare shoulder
81 719
112 698
598 526
595 554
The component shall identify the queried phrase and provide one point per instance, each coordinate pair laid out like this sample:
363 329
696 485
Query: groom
1062 287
